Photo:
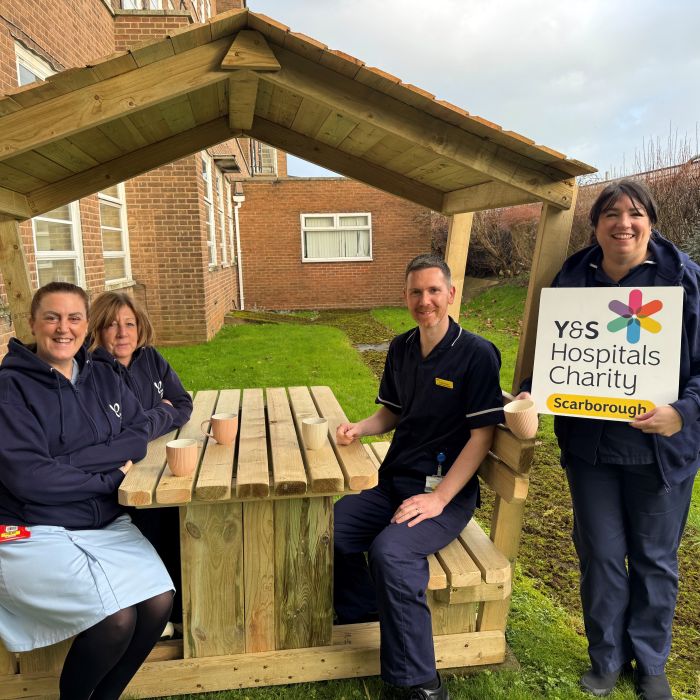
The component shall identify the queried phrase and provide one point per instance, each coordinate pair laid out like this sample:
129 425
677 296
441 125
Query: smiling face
428 296
59 326
623 232
121 337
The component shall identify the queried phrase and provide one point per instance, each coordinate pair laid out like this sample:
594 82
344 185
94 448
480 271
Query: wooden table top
267 460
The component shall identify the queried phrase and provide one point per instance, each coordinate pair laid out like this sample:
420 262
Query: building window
56 233
209 206
222 217
115 235
263 158
330 237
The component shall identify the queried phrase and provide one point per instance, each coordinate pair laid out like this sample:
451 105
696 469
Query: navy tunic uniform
627 528
439 399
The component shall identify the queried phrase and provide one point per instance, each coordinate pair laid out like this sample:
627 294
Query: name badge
444 382
9 533
432 482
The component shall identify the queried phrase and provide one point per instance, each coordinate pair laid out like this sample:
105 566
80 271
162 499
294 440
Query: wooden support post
8 662
552 242
456 256
15 274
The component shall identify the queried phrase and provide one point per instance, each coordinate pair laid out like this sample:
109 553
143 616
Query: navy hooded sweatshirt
62 445
152 379
676 456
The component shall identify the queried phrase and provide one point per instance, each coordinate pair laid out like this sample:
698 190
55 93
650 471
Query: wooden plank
283 107
110 99
212 580
494 566
460 229
35 165
139 485
151 50
357 467
216 471
359 102
380 448
517 454
362 139
460 568
252 477
259 576
488 195
438 577
475 594
243 93
343 163
370 453
451 618
18 181
14 205
68 155
288 471
551 245
178 489
355 653
325 474
177 114
506 528
504 481
309 117
42 662
250 51
8 662
190 37
303 572
226 23
335 128
46 198
15 275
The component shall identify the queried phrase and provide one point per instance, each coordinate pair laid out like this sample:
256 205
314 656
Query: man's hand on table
418 508
347 433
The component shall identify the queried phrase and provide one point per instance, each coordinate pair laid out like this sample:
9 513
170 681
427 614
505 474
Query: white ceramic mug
224 427
182 456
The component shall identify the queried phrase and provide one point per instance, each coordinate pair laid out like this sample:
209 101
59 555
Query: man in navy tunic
441 395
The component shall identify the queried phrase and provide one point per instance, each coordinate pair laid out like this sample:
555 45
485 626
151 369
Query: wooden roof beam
250 51
364 104
14 204
129 165
328 157
242 95
489 195
93 105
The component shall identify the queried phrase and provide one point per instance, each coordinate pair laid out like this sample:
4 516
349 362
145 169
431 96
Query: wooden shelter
243 74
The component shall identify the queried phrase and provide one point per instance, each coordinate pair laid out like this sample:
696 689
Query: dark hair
427 260
637 191
58 288
104 311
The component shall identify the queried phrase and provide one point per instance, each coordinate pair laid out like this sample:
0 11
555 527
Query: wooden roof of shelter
243 74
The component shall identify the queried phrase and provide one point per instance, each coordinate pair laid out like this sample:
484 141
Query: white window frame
222 216
207 176
336 227
42 70
120 203
229 218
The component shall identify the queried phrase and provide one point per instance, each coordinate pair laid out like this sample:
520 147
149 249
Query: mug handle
201 427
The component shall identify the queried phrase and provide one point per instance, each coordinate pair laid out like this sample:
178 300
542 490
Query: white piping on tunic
381 400
488 410
459 335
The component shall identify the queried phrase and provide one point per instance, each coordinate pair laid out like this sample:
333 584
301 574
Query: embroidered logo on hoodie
117 409
159 388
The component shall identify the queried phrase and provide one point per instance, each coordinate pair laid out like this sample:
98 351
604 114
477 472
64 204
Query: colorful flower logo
634 316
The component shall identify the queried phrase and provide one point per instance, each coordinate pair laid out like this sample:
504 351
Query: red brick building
181 237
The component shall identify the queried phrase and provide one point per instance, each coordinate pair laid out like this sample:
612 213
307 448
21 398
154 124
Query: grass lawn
545 628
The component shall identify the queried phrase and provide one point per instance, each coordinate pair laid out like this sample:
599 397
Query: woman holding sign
631 483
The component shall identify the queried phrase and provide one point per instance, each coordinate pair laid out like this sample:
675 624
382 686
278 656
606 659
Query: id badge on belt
433 481
10 533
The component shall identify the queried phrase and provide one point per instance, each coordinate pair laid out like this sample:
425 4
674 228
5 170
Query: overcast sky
594 79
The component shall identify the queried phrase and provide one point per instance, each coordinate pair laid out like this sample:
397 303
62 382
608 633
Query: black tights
104 658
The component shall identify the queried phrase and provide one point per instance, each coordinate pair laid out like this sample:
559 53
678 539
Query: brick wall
274 276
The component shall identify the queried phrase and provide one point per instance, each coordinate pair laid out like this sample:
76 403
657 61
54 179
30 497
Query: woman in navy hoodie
631 483
122 337
71 562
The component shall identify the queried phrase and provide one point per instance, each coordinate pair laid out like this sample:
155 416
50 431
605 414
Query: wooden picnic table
256 520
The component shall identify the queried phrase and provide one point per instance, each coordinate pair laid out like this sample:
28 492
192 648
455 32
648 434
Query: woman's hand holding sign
662 420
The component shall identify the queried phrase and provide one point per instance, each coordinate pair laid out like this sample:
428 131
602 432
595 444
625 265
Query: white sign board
607 352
